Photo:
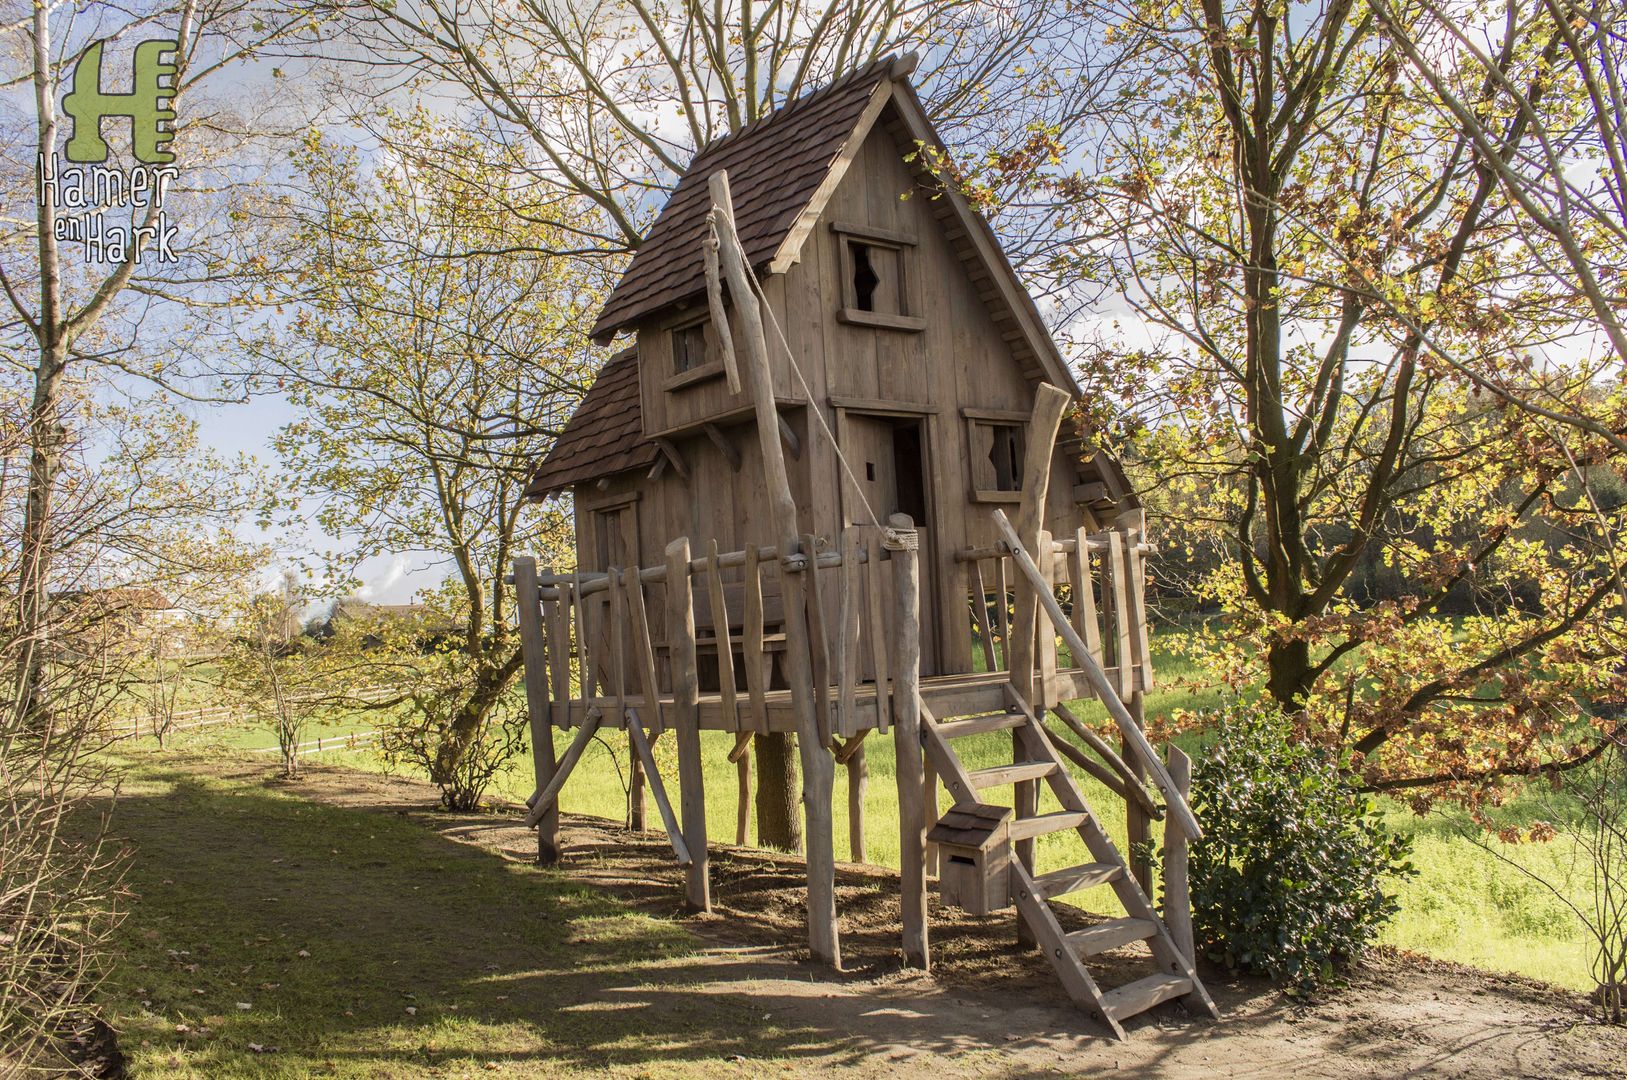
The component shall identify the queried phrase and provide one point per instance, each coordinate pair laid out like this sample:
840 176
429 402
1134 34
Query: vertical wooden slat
910 772
586 675
751 632
980 613
880 645
686 719
534 654
557 636
725 644
1043 630
1123 653
1084 598
644 654
1138 611
847 656
1177 895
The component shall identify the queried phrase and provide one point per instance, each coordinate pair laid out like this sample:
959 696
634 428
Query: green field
1465 905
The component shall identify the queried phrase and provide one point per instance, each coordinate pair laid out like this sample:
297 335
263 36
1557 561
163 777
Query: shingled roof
776 166
605 436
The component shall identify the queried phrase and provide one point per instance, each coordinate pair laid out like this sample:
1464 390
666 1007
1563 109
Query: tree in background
277 675
1348 343
434 356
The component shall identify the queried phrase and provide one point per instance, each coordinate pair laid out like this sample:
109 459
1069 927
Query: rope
819 414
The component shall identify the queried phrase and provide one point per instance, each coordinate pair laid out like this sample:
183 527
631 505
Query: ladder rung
1106 936
1011 774
1059 821
1075 878
1143 994
980 725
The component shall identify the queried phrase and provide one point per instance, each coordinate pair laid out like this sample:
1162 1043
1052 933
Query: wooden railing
1100 579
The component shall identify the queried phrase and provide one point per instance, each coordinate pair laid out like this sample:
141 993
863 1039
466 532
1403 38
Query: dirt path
989 1010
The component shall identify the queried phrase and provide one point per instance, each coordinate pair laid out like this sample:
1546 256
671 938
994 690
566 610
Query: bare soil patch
988 1009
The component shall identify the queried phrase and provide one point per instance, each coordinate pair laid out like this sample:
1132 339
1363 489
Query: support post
1137 826
1177 898
1049 401
910 770
534 652
858 779
686 718
818 767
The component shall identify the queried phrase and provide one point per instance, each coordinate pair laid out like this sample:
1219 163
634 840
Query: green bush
1289 877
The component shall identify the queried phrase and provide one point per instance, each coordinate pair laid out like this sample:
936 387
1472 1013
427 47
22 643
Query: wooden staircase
1174 976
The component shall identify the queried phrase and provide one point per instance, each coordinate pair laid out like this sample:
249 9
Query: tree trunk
1288 667
779 824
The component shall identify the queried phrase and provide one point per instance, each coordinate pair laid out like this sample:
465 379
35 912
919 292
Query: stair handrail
1137 739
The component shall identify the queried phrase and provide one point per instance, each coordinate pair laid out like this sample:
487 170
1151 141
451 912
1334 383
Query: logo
116 213
146 106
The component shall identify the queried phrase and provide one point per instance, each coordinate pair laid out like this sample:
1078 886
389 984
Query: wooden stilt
910 770
929 786
742 769
858 779
818 768
533 649
686 721
1137 826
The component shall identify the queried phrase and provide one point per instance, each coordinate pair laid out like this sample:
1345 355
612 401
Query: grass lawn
274 936
1465 905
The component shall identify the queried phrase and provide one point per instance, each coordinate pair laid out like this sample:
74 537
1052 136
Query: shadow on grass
272 935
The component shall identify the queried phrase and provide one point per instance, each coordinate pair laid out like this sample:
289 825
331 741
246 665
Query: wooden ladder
1175 976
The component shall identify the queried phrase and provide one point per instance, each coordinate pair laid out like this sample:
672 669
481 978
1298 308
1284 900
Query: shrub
1289 877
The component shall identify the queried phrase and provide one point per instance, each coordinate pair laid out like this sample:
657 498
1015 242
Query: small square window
995 453
688 348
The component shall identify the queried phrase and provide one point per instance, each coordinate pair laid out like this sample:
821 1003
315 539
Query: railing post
686 719
1177 896
903 542
534 655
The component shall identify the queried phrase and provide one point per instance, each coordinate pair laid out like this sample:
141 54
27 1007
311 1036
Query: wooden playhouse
821 491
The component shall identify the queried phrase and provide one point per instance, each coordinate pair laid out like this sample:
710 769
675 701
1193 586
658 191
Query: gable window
689 348
995 451
876 269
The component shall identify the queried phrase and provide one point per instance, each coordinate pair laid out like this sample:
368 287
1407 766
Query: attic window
865 279
876 266
688 348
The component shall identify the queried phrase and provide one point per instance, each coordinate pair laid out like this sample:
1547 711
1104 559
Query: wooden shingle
605 436
775 167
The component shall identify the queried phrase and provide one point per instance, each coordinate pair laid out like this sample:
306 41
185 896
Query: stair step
1106 936
1143 994
1011 774
980 725
1040 825
1075 878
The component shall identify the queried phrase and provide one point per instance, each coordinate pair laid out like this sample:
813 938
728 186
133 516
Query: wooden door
615 530
888 458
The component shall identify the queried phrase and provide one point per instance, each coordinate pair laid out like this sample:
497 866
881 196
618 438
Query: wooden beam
670 452
789 437
818 770
715 306
548 796
686 721
658 790
534 653
720 634
720 439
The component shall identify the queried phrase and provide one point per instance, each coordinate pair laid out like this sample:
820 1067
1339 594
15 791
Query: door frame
931 584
